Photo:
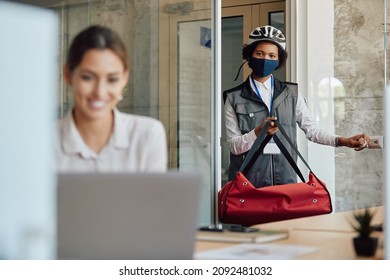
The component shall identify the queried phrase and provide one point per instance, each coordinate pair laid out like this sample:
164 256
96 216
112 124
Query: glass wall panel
170 57
73 18
194 99
340 66
359 67
232 34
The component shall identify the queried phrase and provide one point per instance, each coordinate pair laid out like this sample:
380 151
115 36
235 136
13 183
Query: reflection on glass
276 19
169 79
194 99
232 33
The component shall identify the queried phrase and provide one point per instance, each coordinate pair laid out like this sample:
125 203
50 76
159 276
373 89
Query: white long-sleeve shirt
240 143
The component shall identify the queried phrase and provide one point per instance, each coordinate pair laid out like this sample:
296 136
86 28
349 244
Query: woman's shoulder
286 83
292 88
138 129
236 90
238 87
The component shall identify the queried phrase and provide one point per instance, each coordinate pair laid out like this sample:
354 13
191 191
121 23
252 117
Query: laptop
127 216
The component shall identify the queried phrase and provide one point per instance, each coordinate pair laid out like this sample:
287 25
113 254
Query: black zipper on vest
272 157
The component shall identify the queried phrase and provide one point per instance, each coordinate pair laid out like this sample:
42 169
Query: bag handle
257 148
261 141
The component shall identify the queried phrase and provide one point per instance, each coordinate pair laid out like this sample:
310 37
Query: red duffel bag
239 202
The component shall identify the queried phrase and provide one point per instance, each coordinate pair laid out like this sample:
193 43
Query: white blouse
137 144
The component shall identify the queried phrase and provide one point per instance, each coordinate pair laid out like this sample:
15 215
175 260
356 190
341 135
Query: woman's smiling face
98 82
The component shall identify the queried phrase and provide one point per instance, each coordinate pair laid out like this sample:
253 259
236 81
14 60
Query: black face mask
263 67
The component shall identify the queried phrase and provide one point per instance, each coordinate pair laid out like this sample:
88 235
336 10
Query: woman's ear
67 75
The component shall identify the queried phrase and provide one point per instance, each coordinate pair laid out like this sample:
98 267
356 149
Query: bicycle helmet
268 33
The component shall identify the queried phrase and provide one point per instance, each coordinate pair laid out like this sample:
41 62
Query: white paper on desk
250 251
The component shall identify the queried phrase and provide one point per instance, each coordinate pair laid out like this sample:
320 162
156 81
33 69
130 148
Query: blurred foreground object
28 69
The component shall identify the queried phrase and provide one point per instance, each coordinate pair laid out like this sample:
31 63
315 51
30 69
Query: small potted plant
364 243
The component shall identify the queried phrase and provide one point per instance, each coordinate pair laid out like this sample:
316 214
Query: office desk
336 222
331 234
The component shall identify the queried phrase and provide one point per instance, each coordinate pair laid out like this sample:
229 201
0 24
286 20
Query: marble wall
359 65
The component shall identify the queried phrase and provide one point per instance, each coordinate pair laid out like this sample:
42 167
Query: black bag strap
257 148
288 157
284 133
262 140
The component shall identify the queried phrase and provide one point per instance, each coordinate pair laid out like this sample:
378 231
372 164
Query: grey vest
269 169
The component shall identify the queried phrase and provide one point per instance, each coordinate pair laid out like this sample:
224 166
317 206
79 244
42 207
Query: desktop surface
331 235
